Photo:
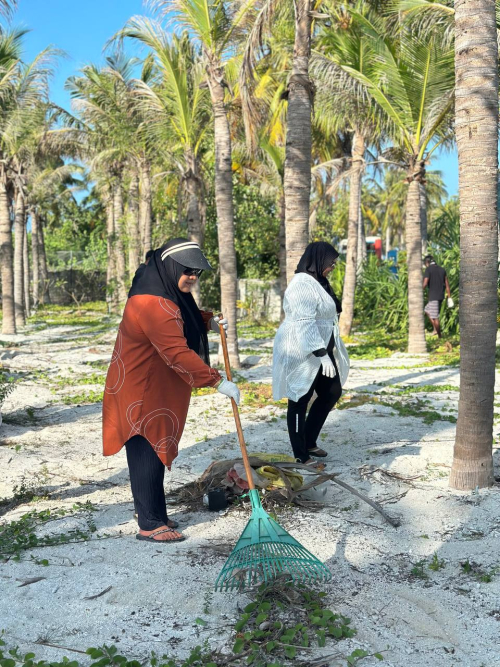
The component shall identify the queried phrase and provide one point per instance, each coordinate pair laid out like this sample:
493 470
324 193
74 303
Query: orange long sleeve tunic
149 381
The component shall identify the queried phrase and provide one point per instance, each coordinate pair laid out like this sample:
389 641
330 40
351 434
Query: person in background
161 353
436 280
309 355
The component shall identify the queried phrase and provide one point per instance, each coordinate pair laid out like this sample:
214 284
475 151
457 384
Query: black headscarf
161 278
317 257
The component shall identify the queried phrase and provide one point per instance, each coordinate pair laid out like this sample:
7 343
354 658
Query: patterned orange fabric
149 380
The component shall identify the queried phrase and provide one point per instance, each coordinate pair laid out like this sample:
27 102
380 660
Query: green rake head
266 551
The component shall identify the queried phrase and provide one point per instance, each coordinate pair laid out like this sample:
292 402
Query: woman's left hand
216 322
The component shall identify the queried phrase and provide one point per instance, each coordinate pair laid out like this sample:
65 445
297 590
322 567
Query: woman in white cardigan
309 355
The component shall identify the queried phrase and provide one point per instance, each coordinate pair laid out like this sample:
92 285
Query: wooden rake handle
236 413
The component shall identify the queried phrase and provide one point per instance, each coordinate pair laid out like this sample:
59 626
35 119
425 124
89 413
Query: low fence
70 286
259 300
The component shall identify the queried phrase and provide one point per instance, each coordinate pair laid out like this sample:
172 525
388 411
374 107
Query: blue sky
82 28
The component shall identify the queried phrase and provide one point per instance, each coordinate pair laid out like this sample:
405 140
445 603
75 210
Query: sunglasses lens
193 272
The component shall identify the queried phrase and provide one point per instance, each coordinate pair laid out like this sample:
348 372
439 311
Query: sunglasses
193 272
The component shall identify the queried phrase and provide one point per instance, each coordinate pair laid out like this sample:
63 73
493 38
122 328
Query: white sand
450 618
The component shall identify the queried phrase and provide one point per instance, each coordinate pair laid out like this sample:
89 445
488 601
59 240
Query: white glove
214 324
229 389
328 367
450 302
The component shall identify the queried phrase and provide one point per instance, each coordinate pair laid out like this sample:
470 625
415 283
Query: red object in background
377 246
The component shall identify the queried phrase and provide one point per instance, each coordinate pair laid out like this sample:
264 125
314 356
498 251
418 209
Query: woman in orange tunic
160 354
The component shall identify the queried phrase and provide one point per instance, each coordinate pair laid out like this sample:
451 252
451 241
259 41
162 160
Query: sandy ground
157 593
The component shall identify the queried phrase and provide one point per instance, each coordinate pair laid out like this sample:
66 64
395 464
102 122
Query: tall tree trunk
118 245
19 232
111 286
358 150
6 263
362 254
388 236
195 211
145 208
423 217
224 206
476 126
26 266
298 141
34 257
134 239
282 250
42 263
416 333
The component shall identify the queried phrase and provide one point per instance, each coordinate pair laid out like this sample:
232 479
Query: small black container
217 500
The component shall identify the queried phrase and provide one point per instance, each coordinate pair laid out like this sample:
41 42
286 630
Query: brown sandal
317 451
151 538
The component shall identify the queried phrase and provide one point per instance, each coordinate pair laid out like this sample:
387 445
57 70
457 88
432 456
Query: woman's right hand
229 389
328 367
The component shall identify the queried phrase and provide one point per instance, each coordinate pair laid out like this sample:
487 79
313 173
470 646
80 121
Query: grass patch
426 389
19 536
253 394
84 398
418 409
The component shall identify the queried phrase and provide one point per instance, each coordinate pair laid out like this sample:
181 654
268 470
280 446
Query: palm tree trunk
476 126
34 257
26 266
361 242
416 333
224 206
111 287
19 232
282 250
388 235
298 141
358 150
195 210
134 240
145 207
118 245
423 217
42 263
6 262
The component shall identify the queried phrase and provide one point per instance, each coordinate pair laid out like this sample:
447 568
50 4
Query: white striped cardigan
310 319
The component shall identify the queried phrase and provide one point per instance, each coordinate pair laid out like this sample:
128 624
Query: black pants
146 479
304 432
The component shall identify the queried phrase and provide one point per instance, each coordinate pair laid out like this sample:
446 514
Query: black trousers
146 479
304 432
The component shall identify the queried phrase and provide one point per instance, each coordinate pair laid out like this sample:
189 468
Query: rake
265 550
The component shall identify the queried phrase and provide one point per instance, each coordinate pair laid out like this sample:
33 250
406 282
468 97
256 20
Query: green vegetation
279 628
17 537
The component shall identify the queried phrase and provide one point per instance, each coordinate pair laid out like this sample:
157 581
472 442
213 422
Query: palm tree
213 23
109 124
342 47
176 110
24 93
476 122
10 54
411 86
265 19
7 7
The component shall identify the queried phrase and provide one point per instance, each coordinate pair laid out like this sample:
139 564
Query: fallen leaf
93 597
27 582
